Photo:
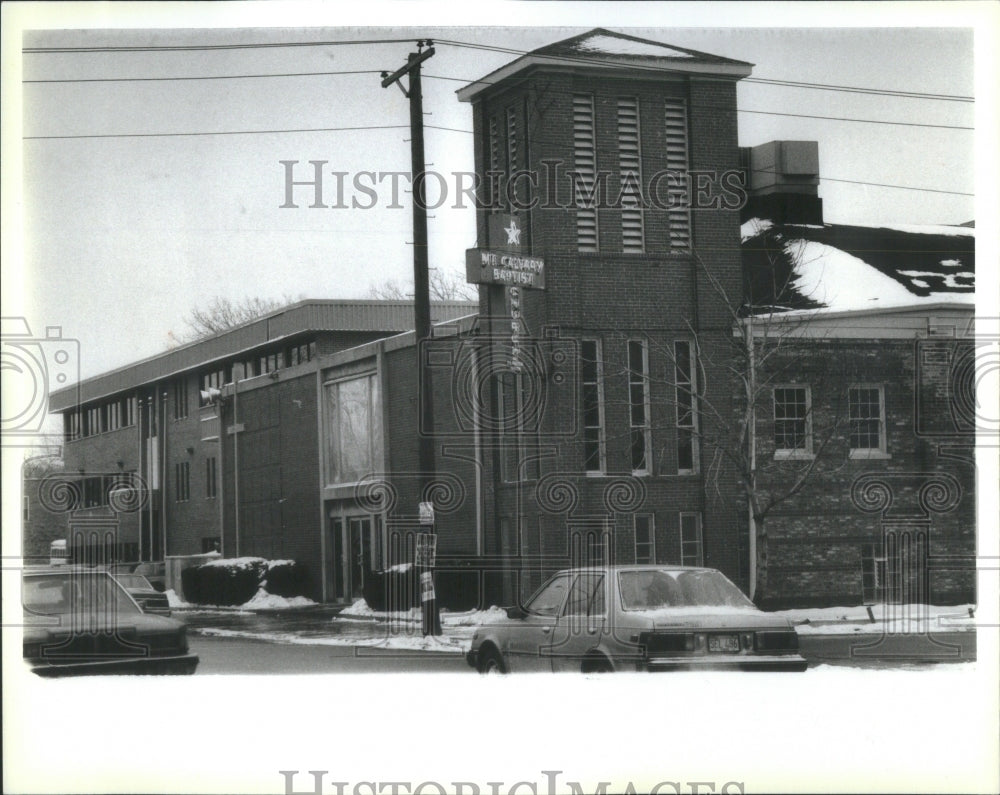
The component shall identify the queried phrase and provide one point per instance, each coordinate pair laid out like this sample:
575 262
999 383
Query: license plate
723 642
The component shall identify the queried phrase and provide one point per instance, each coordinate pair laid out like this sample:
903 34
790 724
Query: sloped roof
841 268
606 49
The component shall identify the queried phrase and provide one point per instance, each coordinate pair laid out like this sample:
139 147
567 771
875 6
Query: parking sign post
426 552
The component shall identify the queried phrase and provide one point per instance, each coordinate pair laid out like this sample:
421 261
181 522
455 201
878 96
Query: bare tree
762 348
443 286
224 313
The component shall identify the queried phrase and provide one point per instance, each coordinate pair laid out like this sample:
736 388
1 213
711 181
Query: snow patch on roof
918 229
843 283
750 229
612 45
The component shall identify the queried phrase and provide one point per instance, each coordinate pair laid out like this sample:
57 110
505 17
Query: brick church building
581 404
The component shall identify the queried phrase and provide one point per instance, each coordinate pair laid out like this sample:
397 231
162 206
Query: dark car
636 618
145 595
82 621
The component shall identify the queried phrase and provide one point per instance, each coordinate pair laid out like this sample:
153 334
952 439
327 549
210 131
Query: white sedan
636 618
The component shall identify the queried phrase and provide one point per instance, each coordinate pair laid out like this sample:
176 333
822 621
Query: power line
490 48
201 77
860 121
787 83
455 79
220 132
213 47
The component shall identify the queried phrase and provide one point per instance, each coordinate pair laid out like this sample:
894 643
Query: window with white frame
866 414
685 388
645 542
354 429
692 548
638 398
592 393
792 421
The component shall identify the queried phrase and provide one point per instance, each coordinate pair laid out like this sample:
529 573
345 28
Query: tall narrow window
496 198
685 387
180 399
638 398
866 412
679 215
71 425
128 411
592 393
182 481
113 412
692 549
645 543
211 483
792 431
585 165
631 177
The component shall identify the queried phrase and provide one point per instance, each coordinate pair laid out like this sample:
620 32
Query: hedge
235 581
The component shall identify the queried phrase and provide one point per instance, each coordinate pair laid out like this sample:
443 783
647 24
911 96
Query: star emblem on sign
513 233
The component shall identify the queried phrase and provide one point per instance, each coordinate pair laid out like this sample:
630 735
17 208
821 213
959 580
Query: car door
580 624
530 641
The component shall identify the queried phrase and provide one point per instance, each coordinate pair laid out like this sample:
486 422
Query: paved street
221 655
314 640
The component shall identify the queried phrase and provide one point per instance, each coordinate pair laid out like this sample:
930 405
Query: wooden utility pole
421 289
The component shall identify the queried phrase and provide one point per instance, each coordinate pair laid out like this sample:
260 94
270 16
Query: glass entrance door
360 529
351 542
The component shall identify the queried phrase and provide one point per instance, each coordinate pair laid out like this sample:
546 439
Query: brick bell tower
607 237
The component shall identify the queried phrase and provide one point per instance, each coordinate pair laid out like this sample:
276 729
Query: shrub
285 578
225 581
396 589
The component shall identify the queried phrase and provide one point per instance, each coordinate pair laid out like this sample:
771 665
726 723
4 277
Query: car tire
491 662
597 665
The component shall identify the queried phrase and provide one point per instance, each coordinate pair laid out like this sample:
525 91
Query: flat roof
303 317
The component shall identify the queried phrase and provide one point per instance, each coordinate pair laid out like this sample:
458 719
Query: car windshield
653 589
75 592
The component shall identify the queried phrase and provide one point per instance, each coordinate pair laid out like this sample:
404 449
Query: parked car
636 618
145 595
82 621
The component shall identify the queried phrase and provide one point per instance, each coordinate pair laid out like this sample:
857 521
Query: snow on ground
891 619
262 600
468 618
412 640
236 563
175 601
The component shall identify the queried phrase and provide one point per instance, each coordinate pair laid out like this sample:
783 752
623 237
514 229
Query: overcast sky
123 235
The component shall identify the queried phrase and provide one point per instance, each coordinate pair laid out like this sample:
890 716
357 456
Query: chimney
782 182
